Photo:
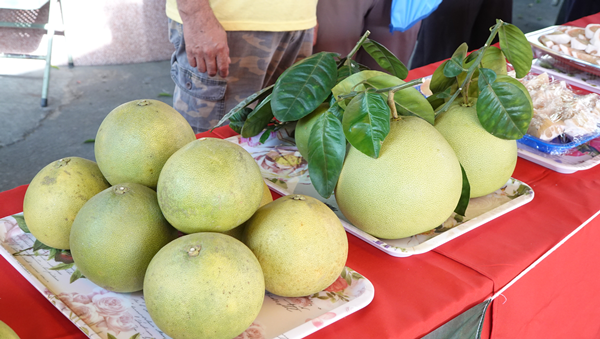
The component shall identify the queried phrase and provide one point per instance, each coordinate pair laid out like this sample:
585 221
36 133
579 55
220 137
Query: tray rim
428 245
298 332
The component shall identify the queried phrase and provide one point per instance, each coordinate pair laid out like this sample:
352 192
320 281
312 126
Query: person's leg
401 44
257 59
341 24
444 30
486 18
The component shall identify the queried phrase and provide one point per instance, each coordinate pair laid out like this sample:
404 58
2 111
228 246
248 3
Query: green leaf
504 110
164 94
76 275
258 119
61 266
110 336
253 97
304 86
353 83
436 100
409 101
386 59
337 111
136 336
38 245
454 66
89 141
345 71
516 48
439 82
266 134
326 152
463 202
486 77
236 121
366 123
494 59
21 222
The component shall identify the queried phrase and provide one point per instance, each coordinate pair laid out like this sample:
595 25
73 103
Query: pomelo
488 160
56 194
209 185
204 285
304 126
116 234
412 187
300 243
135 140
6 332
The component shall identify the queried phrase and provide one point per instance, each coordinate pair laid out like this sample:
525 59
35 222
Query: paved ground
32 137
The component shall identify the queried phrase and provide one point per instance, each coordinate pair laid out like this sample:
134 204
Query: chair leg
64 30
44 101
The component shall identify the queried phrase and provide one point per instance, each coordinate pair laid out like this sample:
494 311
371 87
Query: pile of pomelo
185 220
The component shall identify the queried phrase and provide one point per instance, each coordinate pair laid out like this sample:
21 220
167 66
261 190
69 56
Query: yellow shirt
256 15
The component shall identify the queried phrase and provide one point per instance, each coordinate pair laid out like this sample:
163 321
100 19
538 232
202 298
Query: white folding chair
50 27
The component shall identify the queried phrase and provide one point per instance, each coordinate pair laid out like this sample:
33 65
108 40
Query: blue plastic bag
406 13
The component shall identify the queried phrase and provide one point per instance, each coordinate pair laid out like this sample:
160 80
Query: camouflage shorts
257 59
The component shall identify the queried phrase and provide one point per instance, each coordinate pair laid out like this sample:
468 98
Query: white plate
286 172
566 164
98 312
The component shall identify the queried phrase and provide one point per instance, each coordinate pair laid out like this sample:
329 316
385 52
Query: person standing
343 22
455 22
226 50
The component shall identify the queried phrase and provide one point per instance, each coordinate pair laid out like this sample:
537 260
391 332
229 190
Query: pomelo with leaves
483 111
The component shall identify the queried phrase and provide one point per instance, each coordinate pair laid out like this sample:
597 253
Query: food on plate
135 140
56 194
204 285
116 234
581 43
209 185
488 161
412 187
300 243
558 111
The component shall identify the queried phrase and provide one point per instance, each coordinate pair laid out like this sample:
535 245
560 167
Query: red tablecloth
415 295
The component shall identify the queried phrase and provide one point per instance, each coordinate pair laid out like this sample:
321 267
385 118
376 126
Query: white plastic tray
286 172
103 314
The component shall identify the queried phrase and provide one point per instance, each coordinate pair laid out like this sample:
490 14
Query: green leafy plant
363 102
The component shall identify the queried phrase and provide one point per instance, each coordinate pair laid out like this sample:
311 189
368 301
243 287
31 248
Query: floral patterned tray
580 158
286 172
102 314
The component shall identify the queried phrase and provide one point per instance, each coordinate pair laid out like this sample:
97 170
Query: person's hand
206 40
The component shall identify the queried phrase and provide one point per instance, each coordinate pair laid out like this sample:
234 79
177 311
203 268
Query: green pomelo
209 185
56 194
412 187
300 243
135 140
304 126
116 234
488 161
6 332
204 285
238 232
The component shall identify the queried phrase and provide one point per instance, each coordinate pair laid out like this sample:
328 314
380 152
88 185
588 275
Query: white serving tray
540 49
103 314
286 172
563 163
